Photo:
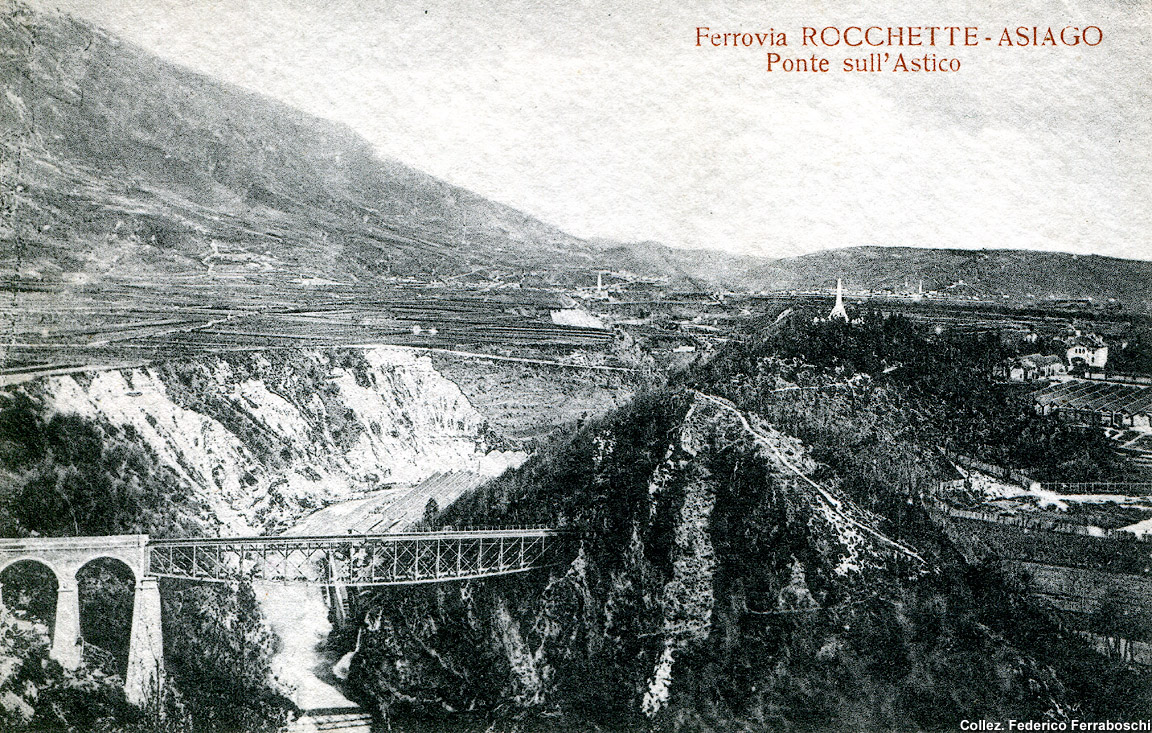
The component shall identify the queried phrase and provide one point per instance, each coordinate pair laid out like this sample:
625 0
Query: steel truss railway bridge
334 562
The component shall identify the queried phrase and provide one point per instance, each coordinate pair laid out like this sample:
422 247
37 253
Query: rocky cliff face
263 438
715 586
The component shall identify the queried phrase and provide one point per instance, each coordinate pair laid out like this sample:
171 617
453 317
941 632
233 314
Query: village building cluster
1072 382
1083 354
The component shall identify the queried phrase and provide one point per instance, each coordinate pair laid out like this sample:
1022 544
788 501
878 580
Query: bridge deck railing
466 532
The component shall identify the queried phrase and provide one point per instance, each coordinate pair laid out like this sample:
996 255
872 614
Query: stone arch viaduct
65 557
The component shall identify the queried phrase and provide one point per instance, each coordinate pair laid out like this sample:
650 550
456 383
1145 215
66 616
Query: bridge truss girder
373 560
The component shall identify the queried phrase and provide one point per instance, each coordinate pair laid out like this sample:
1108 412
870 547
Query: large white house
1089 349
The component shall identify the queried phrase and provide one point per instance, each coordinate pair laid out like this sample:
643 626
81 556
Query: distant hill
1023 276
120 164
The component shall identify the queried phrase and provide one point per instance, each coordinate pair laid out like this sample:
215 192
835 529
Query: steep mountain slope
123 164
715 585
127 162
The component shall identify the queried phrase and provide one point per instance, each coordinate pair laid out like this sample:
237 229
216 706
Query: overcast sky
607 120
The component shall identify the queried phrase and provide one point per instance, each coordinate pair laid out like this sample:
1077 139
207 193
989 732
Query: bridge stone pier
65 556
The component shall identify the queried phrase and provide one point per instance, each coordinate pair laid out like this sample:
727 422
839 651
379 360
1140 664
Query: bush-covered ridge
902 386
761 630
65 475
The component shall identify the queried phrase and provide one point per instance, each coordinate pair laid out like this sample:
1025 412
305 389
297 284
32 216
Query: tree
431 511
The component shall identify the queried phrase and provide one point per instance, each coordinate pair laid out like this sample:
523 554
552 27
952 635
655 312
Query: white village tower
838 309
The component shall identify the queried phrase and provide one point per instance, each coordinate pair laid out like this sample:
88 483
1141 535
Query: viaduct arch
65 556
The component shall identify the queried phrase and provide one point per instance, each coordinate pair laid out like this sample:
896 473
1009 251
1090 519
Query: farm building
1032 367
576 317
1098 402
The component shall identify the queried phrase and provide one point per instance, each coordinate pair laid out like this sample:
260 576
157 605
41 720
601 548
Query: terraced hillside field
56 328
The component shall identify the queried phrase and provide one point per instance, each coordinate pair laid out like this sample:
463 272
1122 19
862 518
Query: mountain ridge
122 165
